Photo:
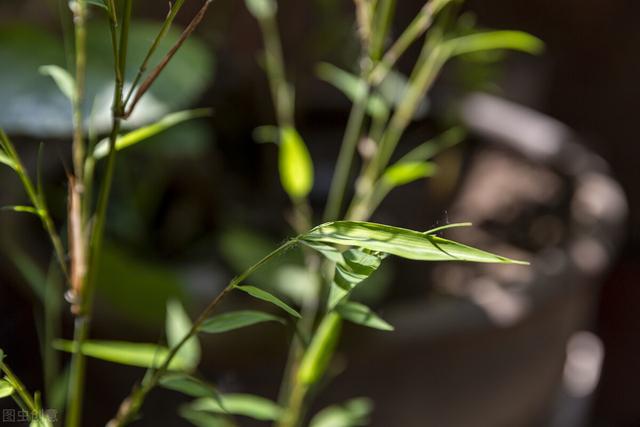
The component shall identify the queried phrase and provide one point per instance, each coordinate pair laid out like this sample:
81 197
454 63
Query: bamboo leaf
6 389
403 173
400 242
97 3
188 385
235 320
4 159
352 87
62 78
247 405
448 226
362 315
203 419
21 209
178 326
266 296
295 164
125 353
352 413
262 9
429 149
494 40
146 132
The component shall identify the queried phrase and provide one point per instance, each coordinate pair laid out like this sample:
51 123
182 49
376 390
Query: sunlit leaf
494 40
6 389
178 326
318 355
352 413
448 226
262 9
188 385
362 315
247 405
406 172
62 78
295 164
400 242
146 132
268 297
352 87
125 353
4 159
236 320
22 209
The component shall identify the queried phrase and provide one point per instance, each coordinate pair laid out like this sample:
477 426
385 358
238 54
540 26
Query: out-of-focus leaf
136 288
266 134
262 9
204 419
6 389
188 385
393 90
97 3
352 413
400 242
178 326
362 315
494 40
22 209
63 79
296 282
146 132
4 159
406 172
236 320
268 297
144 355
247 405
30 271
295 164
429 149
352 87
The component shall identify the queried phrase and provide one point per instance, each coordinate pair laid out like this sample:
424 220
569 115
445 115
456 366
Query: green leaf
125 353
247 405
203 419
235 320
62 78
494 40
146 132
400 242
188 385
352 87
98 3
22 209
4 159
6 389
178 326
352 413
403 173
393 89
295 164
262 9
266 134
448 226
266 296
431 148
362 315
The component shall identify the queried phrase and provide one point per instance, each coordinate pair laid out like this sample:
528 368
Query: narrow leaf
203 419
352 413
362 315
146 132
295 164
431 148
235 320
6 389
22 209
406 172
495 40
188 385
98 3
266 296
125 353
247 405
62 78
178 326
352 87
4 159
400 242
448 226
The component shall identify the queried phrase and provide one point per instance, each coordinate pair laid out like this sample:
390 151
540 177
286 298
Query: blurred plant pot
497 345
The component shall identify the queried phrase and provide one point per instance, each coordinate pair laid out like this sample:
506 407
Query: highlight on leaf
144 355
403 173
262 9
62 78
295 164
268 297
362 315
494 40
352 413
178 326
6 389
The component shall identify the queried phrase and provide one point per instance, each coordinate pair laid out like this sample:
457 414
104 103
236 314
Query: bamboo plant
343 251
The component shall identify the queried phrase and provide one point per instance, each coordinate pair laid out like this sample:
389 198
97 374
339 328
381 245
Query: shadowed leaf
362 315
266 296
247 405
235 320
